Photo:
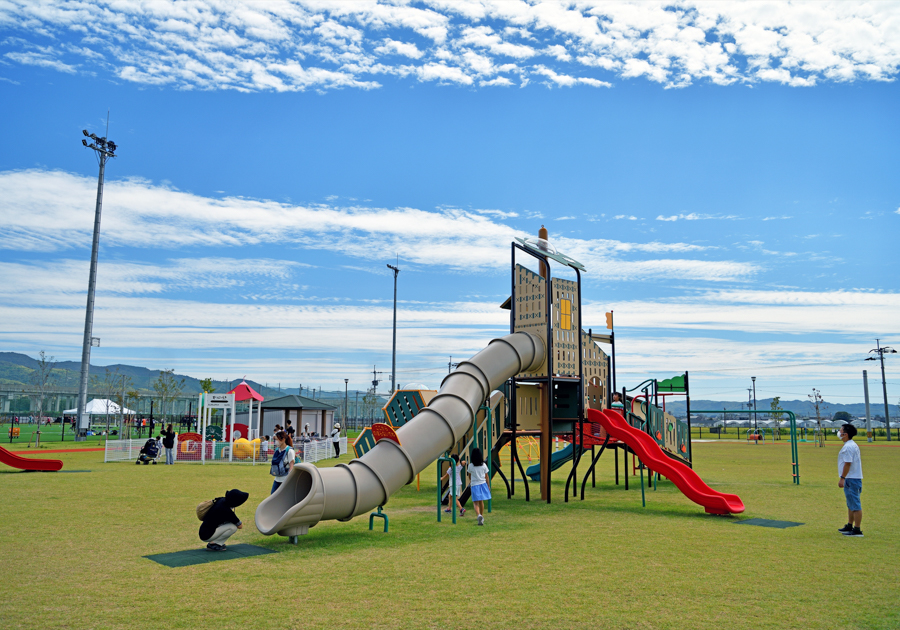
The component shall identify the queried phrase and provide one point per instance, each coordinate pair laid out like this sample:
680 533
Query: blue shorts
481 492
852 488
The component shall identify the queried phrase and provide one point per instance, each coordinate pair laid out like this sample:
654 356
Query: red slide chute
29 463
685 479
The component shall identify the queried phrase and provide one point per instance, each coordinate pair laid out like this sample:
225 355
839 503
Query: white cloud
246 45
693 216
443 73
38 59
755 311
564 80
393 47
625 216
139 214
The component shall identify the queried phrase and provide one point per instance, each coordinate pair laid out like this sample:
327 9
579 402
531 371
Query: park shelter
301 411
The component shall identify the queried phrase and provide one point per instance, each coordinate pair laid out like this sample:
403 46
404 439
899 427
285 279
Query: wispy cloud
625 216
299 45
149 215
697 217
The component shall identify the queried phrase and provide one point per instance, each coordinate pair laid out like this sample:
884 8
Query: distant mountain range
17 369
801 408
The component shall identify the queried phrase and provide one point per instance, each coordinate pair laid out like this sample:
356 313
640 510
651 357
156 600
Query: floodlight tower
103 149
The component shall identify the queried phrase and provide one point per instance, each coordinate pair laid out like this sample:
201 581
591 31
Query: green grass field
72 547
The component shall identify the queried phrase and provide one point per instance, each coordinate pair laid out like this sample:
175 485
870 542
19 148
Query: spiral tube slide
310 494
685 479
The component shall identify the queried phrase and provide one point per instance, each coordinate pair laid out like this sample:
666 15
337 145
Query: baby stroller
149 453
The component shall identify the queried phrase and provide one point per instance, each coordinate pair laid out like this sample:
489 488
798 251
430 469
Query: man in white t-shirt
850 471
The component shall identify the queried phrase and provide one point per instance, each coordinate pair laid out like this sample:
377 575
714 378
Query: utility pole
881 352
868 416
103 149
396 270
451 365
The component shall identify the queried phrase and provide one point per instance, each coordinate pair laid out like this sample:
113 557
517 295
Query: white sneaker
480 519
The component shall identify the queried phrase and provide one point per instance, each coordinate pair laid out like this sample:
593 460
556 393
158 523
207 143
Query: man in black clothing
220 523
289 429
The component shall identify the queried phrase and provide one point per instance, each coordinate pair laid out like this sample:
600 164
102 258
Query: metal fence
190 451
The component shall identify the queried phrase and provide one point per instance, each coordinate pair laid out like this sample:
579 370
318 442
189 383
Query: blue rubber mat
203 555
764 522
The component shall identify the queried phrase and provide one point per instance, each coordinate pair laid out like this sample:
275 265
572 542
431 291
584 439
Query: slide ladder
685 479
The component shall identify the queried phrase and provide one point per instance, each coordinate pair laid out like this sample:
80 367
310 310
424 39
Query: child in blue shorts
850 470
478 482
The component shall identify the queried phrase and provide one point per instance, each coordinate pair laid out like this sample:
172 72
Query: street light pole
755 423
396 271
346 380
749 407
104 149
881 352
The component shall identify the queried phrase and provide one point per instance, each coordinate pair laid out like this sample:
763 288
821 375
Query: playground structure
546 380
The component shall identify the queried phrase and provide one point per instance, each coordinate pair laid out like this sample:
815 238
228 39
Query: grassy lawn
72 547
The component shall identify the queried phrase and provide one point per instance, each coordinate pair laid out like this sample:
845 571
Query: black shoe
846 529
856 531
212 546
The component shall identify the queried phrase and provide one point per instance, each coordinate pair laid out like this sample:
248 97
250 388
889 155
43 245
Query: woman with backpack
220 522
282 459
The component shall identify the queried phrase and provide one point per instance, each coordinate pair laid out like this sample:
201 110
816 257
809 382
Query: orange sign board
381 431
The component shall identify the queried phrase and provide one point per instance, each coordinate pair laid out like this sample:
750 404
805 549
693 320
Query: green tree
207 386
819 405
167 388
776 409
842 416
40 378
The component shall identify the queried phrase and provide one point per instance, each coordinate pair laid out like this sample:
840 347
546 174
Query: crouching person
220 522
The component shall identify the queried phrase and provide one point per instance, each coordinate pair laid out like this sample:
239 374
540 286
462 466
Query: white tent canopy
100 407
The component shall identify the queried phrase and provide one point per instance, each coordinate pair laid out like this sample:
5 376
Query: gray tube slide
310 494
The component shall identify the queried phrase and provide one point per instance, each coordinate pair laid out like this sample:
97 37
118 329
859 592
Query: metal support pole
80 430
396 271
887 416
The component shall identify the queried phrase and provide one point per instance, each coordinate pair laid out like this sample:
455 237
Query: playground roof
245 392
297 402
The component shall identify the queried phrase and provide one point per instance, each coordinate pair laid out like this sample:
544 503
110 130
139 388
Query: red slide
683 477
28 463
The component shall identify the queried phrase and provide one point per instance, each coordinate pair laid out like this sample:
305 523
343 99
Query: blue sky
726 173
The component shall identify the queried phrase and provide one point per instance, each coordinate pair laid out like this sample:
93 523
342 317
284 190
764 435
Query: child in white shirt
478 482
457 468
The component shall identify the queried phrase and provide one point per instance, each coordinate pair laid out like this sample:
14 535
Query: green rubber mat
764 522
203 555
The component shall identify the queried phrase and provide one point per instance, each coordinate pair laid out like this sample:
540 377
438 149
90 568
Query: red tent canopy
245 392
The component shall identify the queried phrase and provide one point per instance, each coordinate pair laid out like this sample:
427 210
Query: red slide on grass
29 463
690 484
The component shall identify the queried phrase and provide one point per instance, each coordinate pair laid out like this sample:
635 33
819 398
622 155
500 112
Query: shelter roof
293 401
245 392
